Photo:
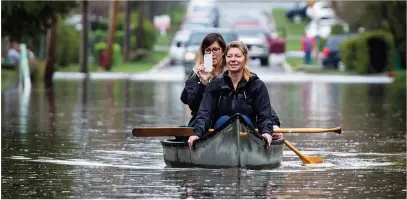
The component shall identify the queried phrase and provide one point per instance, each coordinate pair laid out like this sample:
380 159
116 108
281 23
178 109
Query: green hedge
337 29
355 51
117 54
348 54
67 45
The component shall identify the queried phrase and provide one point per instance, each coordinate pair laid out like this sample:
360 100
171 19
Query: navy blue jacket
193 93
250 98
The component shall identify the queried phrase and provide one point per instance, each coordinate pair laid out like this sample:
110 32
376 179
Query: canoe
234 145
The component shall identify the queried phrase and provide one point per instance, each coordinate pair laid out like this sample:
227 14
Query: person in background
237 90
195 84
307 44
13 54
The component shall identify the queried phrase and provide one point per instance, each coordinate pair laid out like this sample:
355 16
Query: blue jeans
222 120
307 58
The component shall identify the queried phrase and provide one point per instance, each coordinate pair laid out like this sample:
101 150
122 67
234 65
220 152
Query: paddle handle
304 130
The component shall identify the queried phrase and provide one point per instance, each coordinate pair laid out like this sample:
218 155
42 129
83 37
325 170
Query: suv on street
194 41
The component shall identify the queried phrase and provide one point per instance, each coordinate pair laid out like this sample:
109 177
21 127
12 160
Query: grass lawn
164 40
298 65
125 67
8 77
293 32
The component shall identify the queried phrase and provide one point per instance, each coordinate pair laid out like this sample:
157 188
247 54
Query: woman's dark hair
208 41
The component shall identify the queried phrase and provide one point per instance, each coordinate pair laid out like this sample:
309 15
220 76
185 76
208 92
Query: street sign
162 23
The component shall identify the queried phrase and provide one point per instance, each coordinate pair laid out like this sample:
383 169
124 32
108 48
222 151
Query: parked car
298 13
204 10
194 41
258 42
177 47
331 57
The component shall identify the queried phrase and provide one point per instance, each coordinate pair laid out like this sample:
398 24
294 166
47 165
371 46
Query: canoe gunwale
252 132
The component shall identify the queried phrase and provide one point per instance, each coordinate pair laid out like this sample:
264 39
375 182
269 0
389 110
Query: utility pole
127 37
49 66
84 38
140 25
112 28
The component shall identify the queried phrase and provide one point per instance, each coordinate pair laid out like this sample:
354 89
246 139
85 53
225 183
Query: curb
164 62
287 67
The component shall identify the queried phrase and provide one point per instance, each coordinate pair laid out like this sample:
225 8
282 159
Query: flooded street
74 141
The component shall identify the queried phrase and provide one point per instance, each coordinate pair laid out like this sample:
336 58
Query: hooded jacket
250 98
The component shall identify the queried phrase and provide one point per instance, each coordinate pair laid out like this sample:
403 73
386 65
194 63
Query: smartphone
208 62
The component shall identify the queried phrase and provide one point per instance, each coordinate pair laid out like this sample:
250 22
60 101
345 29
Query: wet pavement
74 141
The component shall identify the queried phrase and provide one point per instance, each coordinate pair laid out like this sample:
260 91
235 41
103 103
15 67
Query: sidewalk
175 74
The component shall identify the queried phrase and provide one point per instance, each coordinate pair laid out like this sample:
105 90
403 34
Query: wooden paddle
187 131
305 159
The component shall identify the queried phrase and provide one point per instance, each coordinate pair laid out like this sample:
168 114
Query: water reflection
49 93
226 183
72 139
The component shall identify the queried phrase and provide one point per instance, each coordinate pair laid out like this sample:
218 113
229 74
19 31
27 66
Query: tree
20 19
372 15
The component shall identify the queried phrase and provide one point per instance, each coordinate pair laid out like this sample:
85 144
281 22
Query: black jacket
250 98
193 93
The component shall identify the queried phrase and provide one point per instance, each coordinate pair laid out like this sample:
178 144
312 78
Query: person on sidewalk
13 54
307 44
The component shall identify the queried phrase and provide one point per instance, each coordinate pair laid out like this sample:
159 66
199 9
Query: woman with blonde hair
237 90
195 84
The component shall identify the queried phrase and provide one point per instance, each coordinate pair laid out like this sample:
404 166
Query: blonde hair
243 48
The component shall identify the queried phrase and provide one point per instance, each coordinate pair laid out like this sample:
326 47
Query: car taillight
326 51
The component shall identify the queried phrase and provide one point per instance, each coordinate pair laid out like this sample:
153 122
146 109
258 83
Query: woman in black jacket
236 90
214 44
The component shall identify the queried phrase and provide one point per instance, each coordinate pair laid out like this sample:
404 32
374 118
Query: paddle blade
305 159
337 130
162 132
312 160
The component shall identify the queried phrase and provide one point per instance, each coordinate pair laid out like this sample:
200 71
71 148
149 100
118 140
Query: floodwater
74 141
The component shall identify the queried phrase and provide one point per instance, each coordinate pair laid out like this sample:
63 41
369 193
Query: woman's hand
203 76
191 140
276 134
268 137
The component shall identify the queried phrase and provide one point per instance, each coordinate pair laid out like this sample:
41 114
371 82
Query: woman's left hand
268 137
276 134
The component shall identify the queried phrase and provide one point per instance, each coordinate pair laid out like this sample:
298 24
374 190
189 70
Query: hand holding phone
208 62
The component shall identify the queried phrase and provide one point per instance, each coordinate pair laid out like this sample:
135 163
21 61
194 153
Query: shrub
100 46
337 29
119 37
348 53
356 56
100 35
117 55
67 45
